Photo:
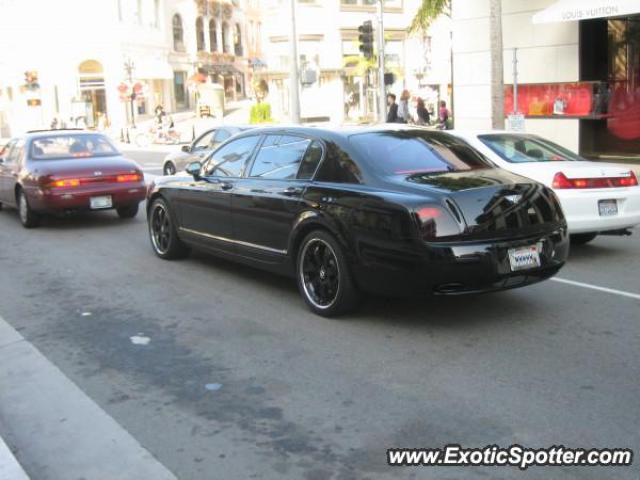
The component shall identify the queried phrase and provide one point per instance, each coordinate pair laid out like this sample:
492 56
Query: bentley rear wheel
323 276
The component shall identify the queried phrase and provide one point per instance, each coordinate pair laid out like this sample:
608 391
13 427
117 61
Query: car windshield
409 152
515 148
71 146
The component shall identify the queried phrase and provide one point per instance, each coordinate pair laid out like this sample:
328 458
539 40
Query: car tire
582 238
28 217
129 211
169 169
324 277
163 233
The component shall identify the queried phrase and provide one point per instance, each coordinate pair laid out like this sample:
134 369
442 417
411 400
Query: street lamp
129 67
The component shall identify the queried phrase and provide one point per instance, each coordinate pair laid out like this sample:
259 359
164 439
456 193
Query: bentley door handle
226 185
292 191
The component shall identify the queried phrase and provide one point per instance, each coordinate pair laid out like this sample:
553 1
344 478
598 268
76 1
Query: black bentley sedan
387 209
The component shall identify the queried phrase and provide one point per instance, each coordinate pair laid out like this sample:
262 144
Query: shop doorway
92 94
610 59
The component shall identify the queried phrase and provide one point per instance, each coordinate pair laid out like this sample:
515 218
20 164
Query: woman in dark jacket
422 113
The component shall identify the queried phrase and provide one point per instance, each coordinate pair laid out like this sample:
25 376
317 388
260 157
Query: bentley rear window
409 152
71 146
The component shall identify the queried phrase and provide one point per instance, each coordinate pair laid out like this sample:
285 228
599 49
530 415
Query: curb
10 469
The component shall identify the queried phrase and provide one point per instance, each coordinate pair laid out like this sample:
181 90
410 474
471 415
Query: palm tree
429 10
497 67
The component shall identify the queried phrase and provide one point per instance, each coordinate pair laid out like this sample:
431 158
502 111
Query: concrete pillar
472 64
219 35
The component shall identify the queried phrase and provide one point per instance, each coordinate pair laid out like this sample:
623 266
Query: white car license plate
524 257
100 202
608 208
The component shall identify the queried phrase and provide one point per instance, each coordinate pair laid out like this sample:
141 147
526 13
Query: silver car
199 148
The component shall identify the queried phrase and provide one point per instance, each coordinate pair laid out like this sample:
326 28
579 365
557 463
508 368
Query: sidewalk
187 125
62 434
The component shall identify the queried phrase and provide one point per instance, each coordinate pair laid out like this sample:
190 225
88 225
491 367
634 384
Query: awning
152 69
574 10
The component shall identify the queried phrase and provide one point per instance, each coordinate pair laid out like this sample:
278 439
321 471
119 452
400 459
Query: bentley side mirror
193 169
186 148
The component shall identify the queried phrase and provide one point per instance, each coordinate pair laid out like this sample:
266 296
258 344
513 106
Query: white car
596 197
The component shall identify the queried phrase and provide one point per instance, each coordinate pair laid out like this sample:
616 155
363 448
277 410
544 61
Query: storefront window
180 90
611 56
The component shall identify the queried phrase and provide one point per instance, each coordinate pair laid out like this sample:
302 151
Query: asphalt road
240 381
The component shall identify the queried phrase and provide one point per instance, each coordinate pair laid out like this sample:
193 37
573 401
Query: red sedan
67 170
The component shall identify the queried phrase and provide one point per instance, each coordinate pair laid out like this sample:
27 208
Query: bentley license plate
608 208
100 202
524 257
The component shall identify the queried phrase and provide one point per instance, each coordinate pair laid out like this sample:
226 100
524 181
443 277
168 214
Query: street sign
515 122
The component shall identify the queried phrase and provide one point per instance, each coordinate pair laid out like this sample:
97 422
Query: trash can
210 100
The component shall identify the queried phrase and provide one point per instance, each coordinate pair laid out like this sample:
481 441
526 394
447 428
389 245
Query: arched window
237 40
226 47
213 36
200 34
178 33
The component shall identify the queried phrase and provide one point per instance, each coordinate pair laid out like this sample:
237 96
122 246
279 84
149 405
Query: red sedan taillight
130 177
561 181
76 182
69 182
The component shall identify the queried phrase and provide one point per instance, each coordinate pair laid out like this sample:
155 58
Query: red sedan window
71 146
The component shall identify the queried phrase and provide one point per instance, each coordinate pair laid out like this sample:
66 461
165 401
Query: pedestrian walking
159 114
403 107
392 113
443 116
422 114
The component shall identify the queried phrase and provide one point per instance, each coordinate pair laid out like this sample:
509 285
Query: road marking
622 293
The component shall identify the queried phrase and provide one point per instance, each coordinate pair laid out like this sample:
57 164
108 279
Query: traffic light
31 80
366 39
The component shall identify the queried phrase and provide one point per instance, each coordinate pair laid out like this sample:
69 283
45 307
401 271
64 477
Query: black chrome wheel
162 231
323 275
320 273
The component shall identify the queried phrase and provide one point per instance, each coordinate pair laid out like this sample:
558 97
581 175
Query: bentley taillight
436 222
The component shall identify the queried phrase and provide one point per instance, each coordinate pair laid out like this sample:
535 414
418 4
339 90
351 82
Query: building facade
208 43
578 70
56 66
82 69
337 84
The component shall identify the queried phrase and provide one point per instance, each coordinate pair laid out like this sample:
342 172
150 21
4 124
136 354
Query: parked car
389 210
596 197
65 170
199 148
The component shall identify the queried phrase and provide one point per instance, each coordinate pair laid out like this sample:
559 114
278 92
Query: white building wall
546 53
54 38
324 24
